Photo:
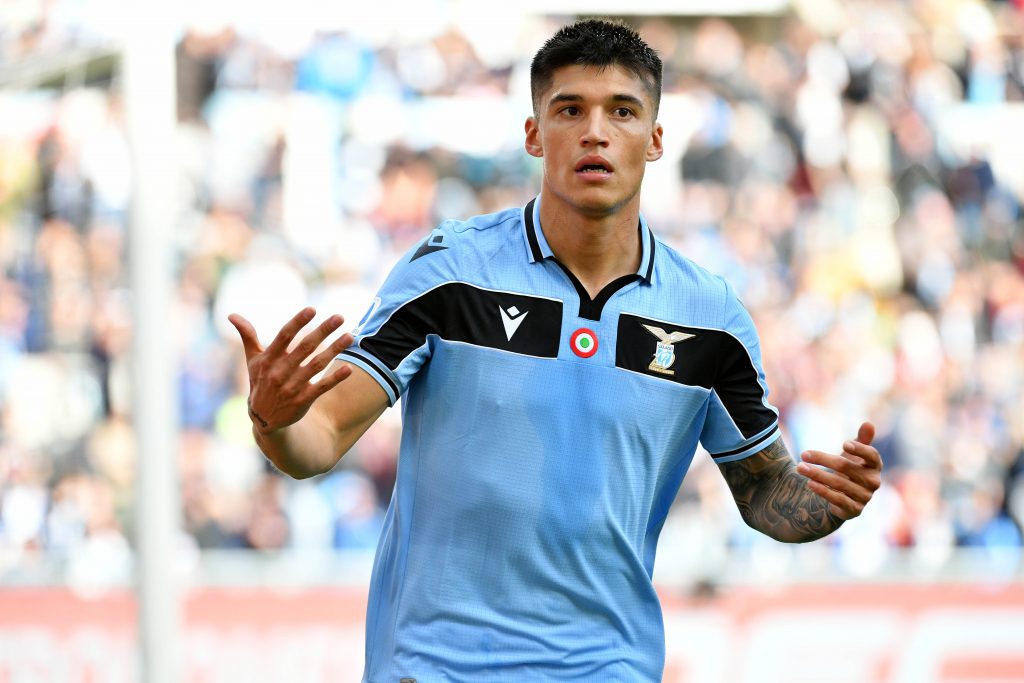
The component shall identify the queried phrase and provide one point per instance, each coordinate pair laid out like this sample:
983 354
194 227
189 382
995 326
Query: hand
854 477
280 391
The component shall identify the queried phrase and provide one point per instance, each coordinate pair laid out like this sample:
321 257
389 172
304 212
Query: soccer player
558 366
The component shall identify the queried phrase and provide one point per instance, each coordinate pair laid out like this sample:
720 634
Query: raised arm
303 427
799 503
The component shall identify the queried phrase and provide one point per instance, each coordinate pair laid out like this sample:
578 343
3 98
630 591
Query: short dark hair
599 43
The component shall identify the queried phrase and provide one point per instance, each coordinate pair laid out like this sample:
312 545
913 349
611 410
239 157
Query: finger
852 466
867 454
250 342
330 381
849 467
312 340
866 433
835 481
839 463
324 358
841 506
291 328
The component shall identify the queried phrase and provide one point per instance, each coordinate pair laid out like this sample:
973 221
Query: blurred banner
850 633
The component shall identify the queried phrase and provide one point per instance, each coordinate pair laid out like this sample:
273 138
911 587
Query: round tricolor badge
583 342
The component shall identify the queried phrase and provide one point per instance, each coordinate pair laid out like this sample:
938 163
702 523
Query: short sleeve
740 420
391 340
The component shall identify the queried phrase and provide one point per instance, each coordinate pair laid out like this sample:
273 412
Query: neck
597 248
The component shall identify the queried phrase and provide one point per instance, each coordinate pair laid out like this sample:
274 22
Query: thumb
250 342
866 433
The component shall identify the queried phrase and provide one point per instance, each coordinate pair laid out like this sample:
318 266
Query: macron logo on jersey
430 245
512 319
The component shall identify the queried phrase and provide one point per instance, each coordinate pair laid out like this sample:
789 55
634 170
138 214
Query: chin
597 207
599 202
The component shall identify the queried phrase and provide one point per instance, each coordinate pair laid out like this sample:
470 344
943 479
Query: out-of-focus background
855 169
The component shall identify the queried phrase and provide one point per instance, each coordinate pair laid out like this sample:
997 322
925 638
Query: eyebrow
618 98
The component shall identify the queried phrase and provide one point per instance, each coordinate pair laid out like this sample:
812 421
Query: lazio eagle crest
665 353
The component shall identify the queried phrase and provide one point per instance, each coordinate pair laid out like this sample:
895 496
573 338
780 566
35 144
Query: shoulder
457 248
678 270
484 233
707 292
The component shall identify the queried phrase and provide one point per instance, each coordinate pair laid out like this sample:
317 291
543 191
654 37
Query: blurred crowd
855 169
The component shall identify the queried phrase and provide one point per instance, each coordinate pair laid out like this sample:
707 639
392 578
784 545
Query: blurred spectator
853 168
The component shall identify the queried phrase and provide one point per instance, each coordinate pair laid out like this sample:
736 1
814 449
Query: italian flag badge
583 342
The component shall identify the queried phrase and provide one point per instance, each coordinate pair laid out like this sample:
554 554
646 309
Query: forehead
597 83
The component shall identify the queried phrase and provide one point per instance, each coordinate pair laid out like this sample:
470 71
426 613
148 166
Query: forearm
315 443
303 426
302 449
773 497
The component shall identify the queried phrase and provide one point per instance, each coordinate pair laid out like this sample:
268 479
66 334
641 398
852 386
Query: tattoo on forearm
773 497
255 416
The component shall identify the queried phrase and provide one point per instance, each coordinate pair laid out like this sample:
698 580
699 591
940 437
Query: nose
595 134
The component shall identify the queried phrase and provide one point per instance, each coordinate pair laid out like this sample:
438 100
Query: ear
655 149
533 144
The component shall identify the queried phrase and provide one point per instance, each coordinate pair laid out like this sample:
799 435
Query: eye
623 112
571 110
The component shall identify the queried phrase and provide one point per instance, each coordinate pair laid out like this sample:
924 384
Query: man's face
595 130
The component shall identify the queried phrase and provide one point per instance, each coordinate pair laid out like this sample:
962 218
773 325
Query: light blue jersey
545 437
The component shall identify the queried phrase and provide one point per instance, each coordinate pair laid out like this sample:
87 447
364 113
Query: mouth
594 167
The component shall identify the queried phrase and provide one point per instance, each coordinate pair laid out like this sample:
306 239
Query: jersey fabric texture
545 435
